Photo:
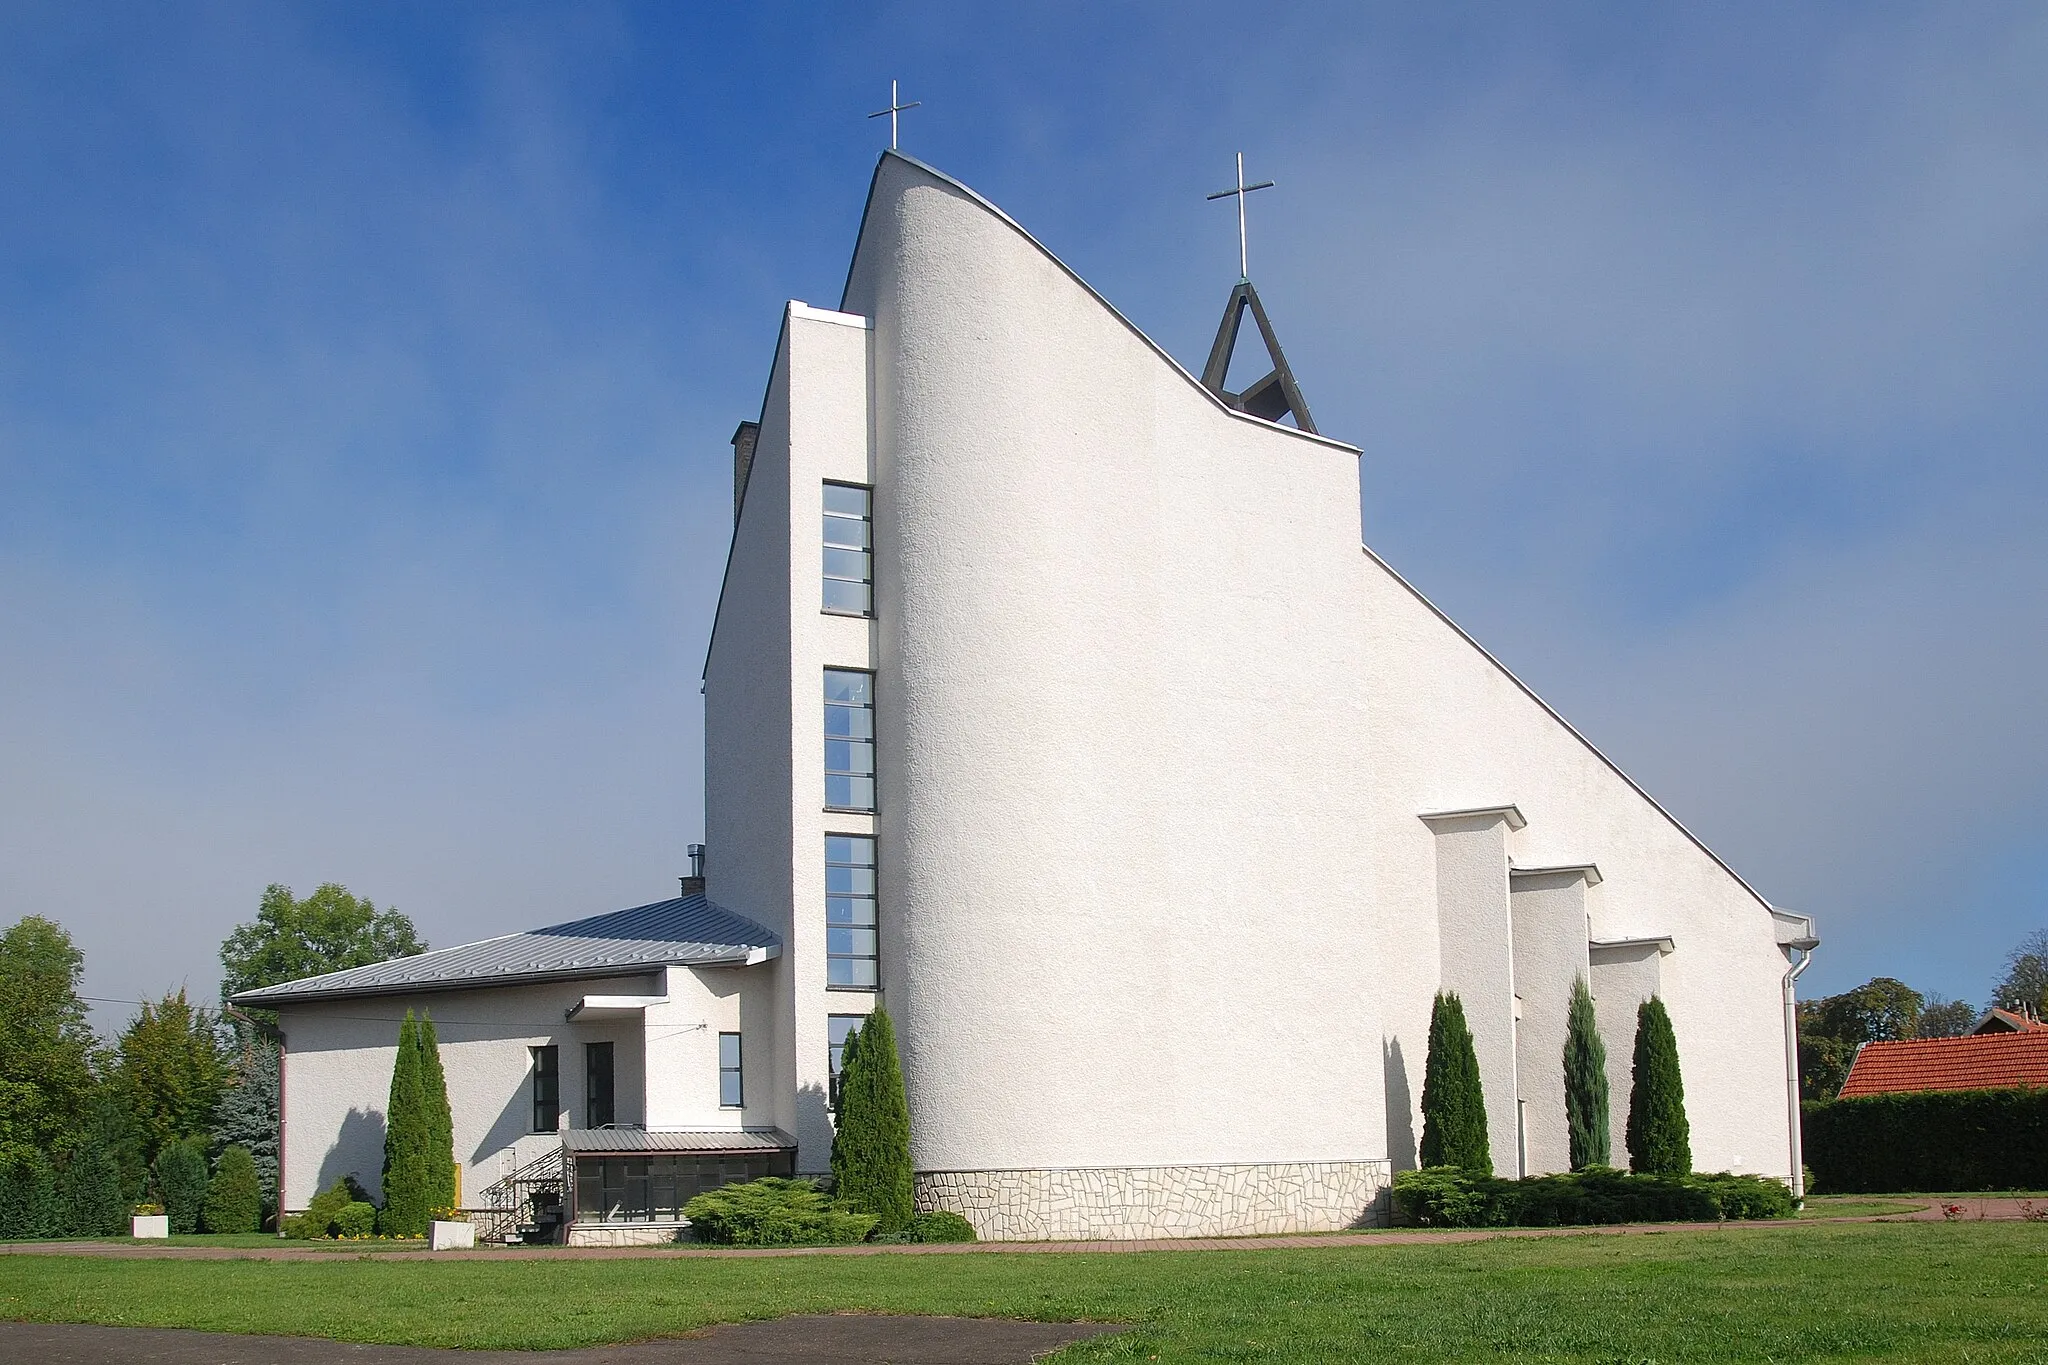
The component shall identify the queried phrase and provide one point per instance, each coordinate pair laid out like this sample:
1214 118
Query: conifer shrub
408 1139
320 1217
30 1203
90 1190
356 1219
1453 1102
774 1212
234 1201
1585 1082
940 1225
871 1141
1451 1197
181 1183
1659 1138
440 1123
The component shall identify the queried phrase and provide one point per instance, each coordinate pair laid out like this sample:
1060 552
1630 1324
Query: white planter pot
150 1225
447 1236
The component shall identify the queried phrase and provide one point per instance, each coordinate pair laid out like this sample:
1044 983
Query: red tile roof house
1985 1061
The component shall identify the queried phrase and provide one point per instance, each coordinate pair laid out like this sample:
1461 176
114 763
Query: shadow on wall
514 1122
814 1123
1400 1107
358 1150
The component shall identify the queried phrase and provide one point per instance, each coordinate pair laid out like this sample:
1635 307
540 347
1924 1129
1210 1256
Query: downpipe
1802 960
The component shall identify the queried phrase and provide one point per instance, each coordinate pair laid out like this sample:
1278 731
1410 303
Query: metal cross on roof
1243 267
896 107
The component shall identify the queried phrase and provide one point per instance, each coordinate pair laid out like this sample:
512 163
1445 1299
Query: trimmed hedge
939 1226
1449 1197
1929 1141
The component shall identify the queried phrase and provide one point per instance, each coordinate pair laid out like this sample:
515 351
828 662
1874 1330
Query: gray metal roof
688 930
676 1140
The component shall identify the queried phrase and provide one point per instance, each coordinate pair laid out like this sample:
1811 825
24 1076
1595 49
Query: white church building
1053 702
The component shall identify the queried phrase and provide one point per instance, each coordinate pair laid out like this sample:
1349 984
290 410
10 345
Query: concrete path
817 1339
1973 1209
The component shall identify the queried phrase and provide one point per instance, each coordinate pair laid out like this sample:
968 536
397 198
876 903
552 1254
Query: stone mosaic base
624 1234
1162 1201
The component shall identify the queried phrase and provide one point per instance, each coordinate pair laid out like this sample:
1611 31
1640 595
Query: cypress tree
234 1201
871 1144
181 1180
405 1140
440 1122
1453 1102
1585 1082
1659 1138
30 1205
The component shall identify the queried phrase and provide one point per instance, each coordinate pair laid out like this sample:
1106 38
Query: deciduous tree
170 1068
2025 986
328 931
46 1046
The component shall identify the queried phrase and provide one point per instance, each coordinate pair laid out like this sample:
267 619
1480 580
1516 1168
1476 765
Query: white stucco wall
339 1054
1450 729
1550 918
1474 933
1122 754
1623 978
764 710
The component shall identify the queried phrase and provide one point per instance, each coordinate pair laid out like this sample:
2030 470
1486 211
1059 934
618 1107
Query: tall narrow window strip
547 1088
838 1028
849 550
597 1085
731 1092
849 740
850 948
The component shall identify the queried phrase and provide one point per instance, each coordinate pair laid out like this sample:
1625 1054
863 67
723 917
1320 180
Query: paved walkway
811 1339
1973 1209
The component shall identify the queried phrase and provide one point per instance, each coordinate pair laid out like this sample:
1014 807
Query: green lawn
1892 1292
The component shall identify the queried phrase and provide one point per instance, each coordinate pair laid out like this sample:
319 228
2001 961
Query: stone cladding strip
1162 1201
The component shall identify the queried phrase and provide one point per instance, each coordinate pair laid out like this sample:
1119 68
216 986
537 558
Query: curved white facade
1161 914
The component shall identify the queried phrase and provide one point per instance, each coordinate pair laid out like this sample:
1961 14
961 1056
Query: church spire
1276 395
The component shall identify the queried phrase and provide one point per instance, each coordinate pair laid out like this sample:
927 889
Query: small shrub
181 1180
322 1214
940 1226
234 1201
356 1219
771 1212
1748 1196
1440 1197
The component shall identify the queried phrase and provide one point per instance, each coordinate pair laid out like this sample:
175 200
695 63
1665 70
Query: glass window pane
846 500
863 971
849 941
849 881
854 598
850 910
851 564
845 685
839 971
729 1089
850 722
849 756
840 1027
728 1049
846 532
850 848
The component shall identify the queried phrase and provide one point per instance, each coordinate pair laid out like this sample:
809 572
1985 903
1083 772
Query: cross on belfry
1243 266
896 107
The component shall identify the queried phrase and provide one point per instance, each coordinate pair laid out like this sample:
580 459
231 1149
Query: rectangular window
849 557
597 1085
547 1088
838 1028
849 740
850 912
730 1093
654 1188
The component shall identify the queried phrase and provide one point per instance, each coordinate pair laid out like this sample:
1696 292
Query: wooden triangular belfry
1276 395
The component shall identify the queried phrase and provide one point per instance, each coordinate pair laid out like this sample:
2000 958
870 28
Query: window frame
591 1072
874 869
826 703
738 1072
867 521
551 1073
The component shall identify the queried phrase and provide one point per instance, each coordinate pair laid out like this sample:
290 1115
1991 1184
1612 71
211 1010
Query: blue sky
366 373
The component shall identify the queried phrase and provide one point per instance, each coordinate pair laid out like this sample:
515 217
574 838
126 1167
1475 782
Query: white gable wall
1449 729
1122 730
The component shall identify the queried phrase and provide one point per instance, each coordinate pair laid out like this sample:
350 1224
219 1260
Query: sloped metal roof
688 930
676 1140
